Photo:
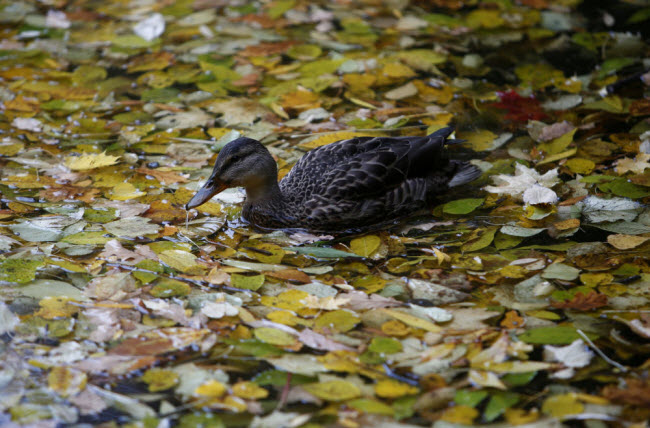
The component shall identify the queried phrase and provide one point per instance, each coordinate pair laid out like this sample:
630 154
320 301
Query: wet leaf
365 246
559 335
90 161
334 390
462 206
247 282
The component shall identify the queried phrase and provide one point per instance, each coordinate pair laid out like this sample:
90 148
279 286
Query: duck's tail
464 173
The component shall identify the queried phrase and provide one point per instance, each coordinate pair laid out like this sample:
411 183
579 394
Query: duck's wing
366 167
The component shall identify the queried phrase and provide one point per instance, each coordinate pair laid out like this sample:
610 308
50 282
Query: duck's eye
234 158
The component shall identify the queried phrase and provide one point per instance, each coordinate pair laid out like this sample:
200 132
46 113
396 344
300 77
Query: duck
347 185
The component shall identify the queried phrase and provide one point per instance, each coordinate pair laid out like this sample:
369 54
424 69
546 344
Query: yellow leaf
515 366
592 399
90 161
249 390
562 405
390 388
463 415
334 390
365 245
479 239
442 257
211 388
290 299
558 156
247 282
626 242
397 70
274 336
513 271
485 379
595 279
413 321
332 137
160 379
285 317
580 165
520 416
56 307
341 361
479 140
235 404
395 328
124 192
181 261
429 94
263 252
545 315
340 321
66 381
558 144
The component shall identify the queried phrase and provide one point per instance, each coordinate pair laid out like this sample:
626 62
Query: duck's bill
205 193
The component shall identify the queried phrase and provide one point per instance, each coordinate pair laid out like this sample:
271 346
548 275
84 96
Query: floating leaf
462 206
66 381
556 335
366 245
247 282
334 390
19 271
90 161
626 242
160 379
390 388
274 336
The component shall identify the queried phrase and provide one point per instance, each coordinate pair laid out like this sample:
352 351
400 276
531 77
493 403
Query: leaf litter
519 300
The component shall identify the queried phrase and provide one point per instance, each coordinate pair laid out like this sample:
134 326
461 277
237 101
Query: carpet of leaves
522 298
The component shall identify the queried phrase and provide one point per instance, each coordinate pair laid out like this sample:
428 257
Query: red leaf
520 109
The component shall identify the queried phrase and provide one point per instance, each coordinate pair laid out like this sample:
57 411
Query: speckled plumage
349 184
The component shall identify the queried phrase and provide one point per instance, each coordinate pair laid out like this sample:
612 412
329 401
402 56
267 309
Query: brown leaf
318 341
289 275
162 211
165 177
361 300
267 49
512 320
636 393
159 341
69 193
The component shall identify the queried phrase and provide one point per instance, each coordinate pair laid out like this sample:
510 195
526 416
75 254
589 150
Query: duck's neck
265 193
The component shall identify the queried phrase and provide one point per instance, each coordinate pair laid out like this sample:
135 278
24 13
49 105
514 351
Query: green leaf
88 238
624 227
279 378
499 402
385 345
553 335
518 379
622 187
560 271
466 397
167 287
321 252
247 282
486 237
462 206
368 405
254 347
19 271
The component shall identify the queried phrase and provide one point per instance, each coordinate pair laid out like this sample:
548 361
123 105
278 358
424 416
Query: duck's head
243 162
